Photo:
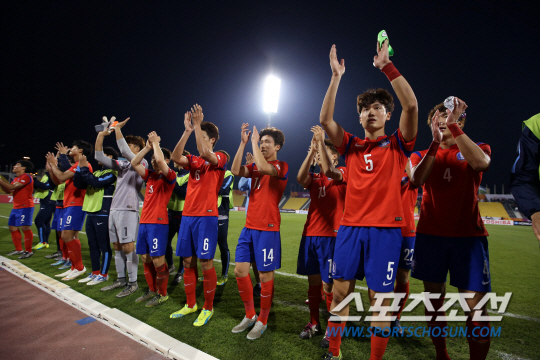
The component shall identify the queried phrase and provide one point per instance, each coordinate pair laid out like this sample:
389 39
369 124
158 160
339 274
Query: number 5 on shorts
390 270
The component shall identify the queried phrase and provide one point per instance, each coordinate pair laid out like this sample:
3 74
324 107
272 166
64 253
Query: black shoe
309 331
177 278
55 255
26 255
257 291
397 324
171 269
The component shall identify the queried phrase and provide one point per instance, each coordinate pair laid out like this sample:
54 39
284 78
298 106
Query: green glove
383 36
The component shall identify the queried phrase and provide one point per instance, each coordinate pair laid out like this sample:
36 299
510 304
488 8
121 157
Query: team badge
460 156
384 143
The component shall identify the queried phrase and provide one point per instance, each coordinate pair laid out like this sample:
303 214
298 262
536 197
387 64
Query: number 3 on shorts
155 245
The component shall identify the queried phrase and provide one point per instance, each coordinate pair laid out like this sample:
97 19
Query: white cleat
98 280
75 274
244 325
88 278
64 274
257 331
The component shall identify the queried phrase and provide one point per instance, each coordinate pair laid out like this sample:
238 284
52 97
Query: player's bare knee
207 264
25 228
402 276
328 287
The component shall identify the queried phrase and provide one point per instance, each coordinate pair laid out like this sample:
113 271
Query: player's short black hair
226 154
442 109
331 146
86 147
166 153
26 164
372 96
110 151
211 130
276 134
186 153
135 140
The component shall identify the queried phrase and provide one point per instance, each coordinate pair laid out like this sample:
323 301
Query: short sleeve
282 170
250 170
171 176
405 146
312 176
485 148
416 157
73 169
25 179
346 143
343 171
147 174
222 160
194 162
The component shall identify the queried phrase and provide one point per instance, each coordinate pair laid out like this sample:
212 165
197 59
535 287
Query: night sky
65 65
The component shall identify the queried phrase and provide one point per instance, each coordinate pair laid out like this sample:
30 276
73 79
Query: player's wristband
433 148
390 71
455 130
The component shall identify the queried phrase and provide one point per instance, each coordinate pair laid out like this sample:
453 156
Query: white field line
506 356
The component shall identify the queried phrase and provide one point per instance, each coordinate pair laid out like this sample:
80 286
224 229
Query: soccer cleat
147 296
201 278
64 274
257 331
177 278
26 255
309 331
223 280
397 324
88 278
157 300
115 285
325 342
15 252
74 274
245 324
39 246
98 280
186 310
53 255
172 269
203 318
128 290
331 356
257 291
66 265
59 262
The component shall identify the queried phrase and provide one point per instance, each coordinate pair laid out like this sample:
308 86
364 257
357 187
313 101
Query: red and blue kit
22 213
369 239
324 216
199 227
73 215
154 223
260 238
451 235
409 194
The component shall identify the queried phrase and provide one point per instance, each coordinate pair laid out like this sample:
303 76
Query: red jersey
22 197
203 185
449 201
326 207
159 189
375 168
266 192
409 194
72 195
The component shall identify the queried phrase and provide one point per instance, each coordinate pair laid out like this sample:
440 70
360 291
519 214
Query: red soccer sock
28 240
378 347
190 285
76 249
95 272
335 331
478 344
246 294
267 288
64 249
209 287
16 237
440 341
150 274
314 296
401 288
162 279
329 299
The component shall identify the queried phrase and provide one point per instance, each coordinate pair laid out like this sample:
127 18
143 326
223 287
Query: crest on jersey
460 156
384 143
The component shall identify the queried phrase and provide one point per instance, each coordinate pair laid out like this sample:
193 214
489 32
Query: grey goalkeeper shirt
129 183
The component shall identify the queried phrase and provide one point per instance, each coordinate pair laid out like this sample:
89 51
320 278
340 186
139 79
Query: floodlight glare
271 94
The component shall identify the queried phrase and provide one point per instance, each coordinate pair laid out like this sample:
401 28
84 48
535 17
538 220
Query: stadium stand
294 203
492 209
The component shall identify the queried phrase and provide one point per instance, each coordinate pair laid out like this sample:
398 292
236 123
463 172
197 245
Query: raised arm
158 154
60 175
327 165
203 146
100 156
472 153
262 165
136 161
303 177
121 142
177 156
236 168
333 129
420 173
408 122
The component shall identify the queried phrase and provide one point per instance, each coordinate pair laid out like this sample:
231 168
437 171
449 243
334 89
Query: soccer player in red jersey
154 223
409 194
22 187
197 238
260 240
369 239
73 217
327 192
451 236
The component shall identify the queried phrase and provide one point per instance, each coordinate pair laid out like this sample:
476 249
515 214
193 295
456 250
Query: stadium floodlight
271 94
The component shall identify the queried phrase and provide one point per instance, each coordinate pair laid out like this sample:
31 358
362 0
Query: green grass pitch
514 257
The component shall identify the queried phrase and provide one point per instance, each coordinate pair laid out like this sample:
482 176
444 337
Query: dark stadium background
66 64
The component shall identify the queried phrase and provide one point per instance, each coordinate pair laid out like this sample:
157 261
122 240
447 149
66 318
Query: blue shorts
197 237
467 259
407 251
21 217
73 218
263 247
152 239
369 252
315 256
57 219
